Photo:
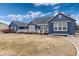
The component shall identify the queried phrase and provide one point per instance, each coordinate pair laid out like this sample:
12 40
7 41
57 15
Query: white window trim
58 26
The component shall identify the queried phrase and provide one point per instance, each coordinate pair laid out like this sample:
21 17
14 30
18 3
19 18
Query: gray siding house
16 26
62 24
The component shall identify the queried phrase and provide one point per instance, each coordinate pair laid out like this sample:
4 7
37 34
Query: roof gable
62 17
11 23
31 23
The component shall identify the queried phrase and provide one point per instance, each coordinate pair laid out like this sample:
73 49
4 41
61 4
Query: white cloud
1 17
76 17
37 14
45 4
55 12
1 20
12 17
34 14
18 17
28 16
56 7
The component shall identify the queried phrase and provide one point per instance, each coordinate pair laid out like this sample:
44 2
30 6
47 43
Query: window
12 28
21 27
55 26
45 27
60 26
15 28
32 27
64 26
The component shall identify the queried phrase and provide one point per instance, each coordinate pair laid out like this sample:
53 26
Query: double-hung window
55 27
60 26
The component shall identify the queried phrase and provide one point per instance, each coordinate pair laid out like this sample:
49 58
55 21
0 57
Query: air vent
60 16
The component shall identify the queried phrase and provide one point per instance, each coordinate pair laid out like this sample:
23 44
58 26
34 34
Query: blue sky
26 12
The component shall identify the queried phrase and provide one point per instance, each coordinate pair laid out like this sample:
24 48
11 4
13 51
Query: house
16 26
39 24
61 24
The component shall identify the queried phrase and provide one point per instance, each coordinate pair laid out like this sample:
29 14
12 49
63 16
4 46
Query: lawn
35 45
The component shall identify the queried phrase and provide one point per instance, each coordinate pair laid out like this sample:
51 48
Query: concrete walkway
75 41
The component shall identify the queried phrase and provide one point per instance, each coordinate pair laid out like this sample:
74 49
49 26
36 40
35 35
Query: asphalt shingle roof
20 23
41 20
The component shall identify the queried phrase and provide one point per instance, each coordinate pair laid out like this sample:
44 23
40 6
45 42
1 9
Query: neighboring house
3 26
39 24
16 26
62 24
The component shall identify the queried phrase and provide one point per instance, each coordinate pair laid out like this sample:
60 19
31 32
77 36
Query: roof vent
60 16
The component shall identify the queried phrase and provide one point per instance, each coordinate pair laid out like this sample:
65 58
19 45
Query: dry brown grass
31 44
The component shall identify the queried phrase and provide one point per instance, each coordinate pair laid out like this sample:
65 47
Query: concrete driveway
75 41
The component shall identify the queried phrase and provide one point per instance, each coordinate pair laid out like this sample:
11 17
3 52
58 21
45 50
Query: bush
6 30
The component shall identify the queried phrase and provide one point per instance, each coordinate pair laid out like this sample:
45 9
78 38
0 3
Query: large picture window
60 26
